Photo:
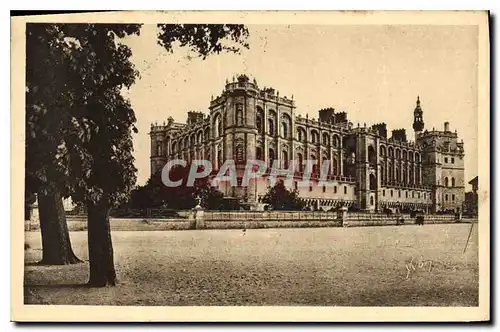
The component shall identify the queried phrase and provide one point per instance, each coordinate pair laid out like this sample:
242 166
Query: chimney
446 126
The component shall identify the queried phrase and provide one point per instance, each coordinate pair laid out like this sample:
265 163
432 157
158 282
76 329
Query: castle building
368 170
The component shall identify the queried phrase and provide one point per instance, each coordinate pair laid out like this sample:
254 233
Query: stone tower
158 149
236 107
367 173
444 168
418 119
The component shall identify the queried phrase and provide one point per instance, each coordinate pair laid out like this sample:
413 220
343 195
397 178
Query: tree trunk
27 210
102 268
56 244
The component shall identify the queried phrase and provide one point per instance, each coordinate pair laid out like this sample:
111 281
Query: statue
198 201
198 214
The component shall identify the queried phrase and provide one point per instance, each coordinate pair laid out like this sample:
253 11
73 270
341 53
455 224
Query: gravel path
317 266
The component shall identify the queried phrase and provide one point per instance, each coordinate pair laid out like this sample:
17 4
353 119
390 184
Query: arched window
301 134
219 129
271 157
259 124
371 200
314 136
300 161
336 141
158 148
258 153
218 126
272 122
314 164
373 182
174 147
284 129
382 151
284 159
259 121
391 152
200 137
390 177
270 126
372 157
446 182
382 174
326 139
453 182
286 125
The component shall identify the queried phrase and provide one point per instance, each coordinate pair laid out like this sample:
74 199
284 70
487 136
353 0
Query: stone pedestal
199 217
342 214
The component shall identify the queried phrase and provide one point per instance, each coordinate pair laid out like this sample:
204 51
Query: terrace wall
250 220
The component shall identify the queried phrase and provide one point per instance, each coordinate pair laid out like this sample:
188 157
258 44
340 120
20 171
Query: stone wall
249 220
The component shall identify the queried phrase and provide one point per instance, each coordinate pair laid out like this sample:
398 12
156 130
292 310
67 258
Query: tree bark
102 268
56 244
27 210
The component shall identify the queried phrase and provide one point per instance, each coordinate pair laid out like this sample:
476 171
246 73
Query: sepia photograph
250 166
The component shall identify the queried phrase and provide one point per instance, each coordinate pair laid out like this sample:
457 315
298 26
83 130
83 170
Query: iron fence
269 215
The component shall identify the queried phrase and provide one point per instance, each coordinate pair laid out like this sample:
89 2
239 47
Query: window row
452 160
391 194
334 167
326 138
399 154
285 123
452 197
401 175
447 182
324 188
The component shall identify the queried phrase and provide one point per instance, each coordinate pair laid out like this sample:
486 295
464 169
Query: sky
373 72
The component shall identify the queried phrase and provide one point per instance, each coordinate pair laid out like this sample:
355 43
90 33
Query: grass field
364 266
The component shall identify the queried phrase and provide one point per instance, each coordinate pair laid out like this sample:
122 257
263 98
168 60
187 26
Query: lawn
364 266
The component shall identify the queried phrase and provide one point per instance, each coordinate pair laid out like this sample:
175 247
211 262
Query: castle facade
368 169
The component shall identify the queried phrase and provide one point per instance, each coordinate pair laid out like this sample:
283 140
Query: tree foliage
155 194
79 125
85 127
48 96
280 198
204 39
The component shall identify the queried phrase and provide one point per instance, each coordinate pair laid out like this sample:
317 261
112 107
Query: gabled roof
473 181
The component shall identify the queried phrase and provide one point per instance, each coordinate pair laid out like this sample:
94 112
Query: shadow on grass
70 286
54 265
